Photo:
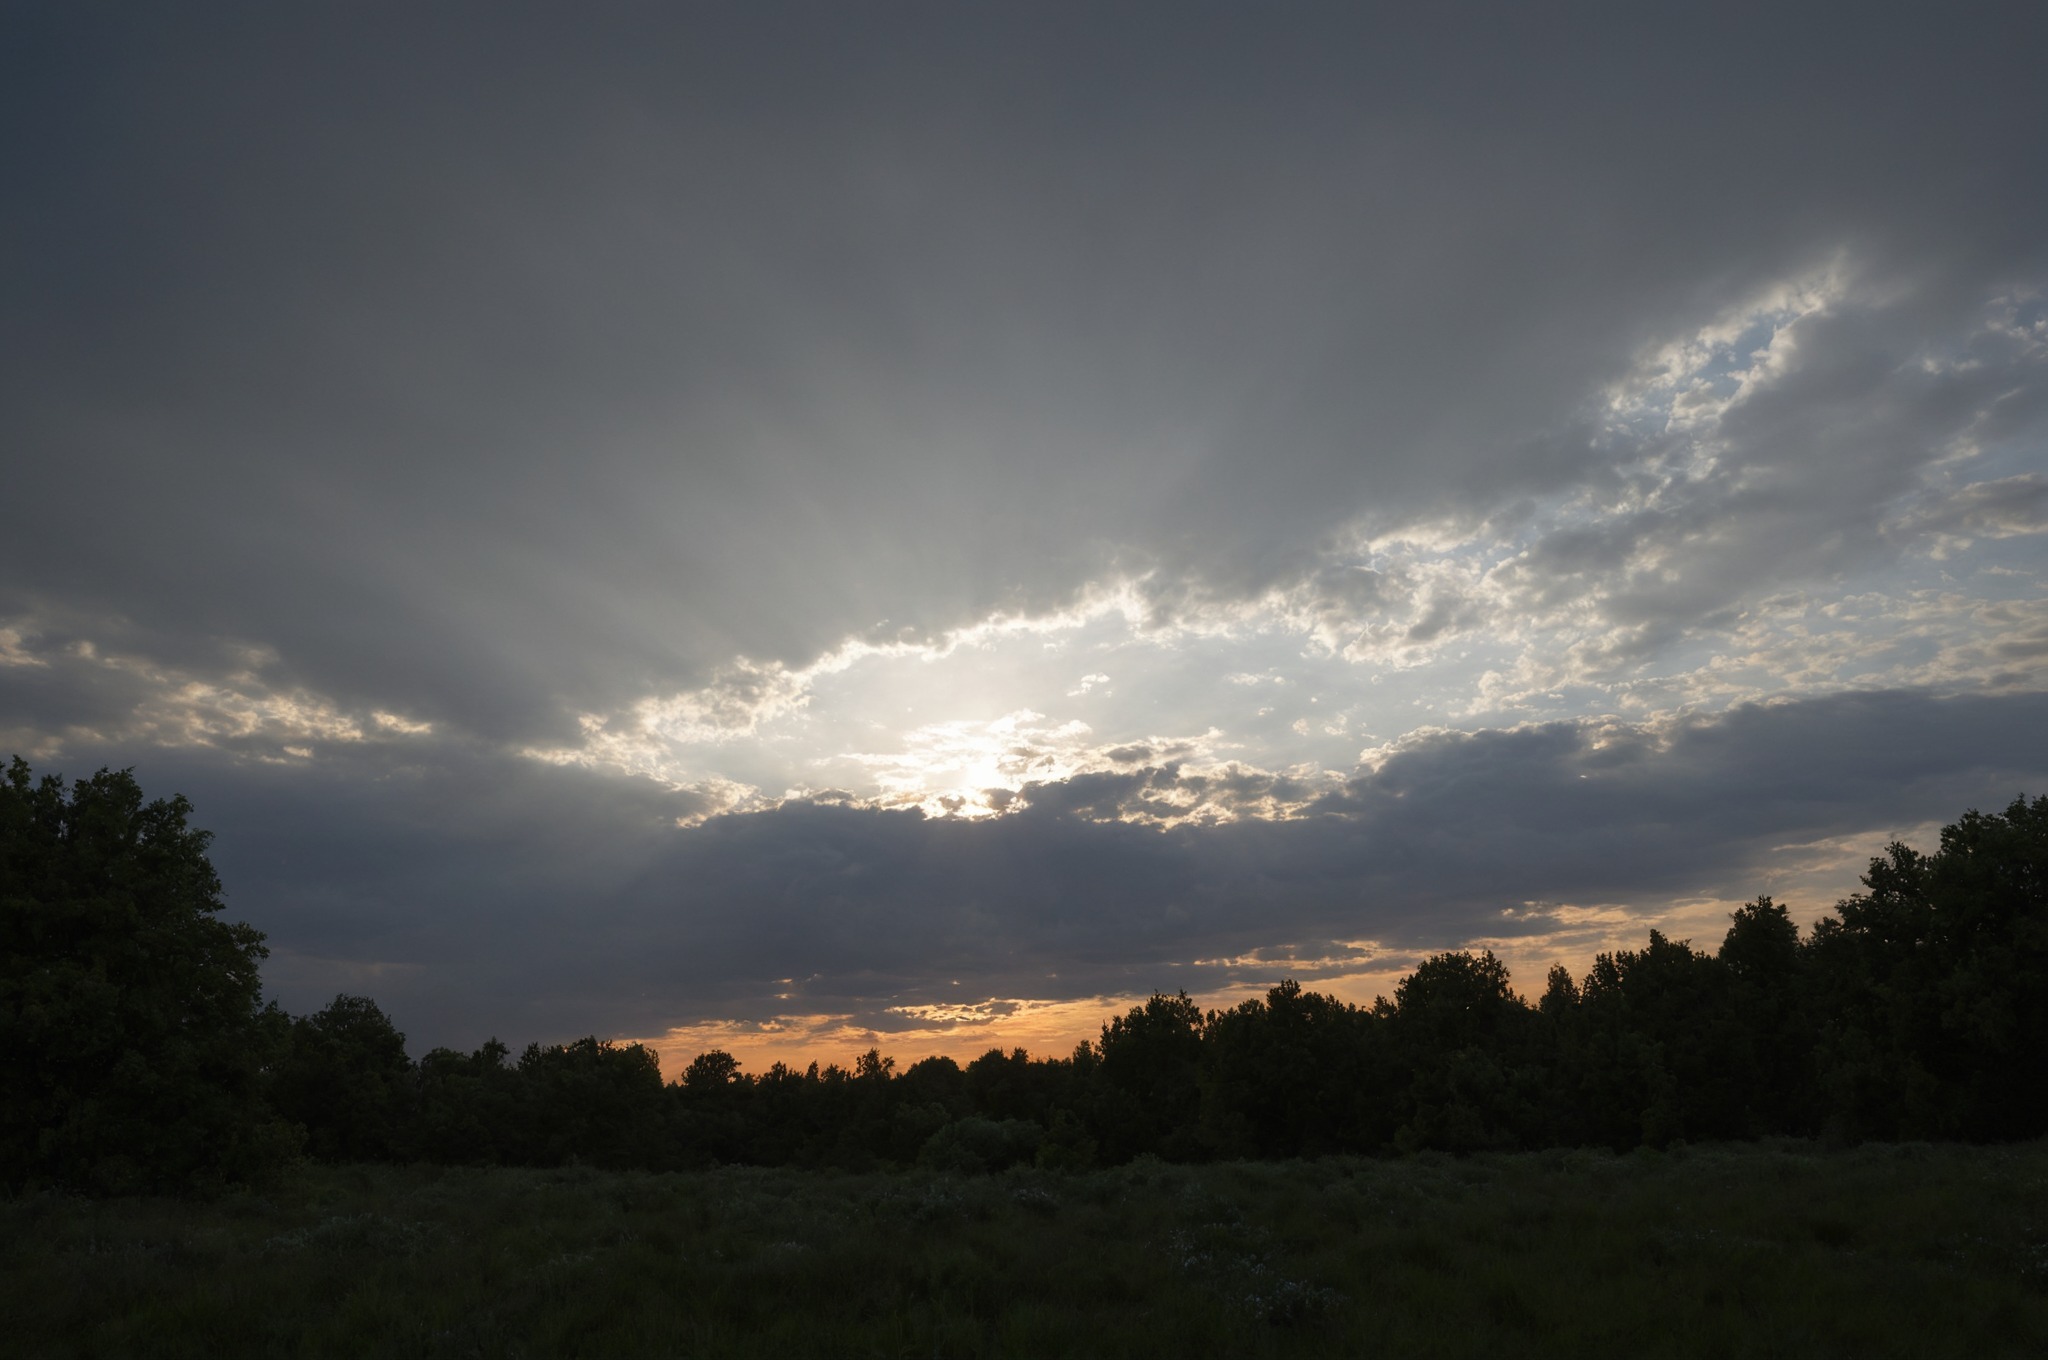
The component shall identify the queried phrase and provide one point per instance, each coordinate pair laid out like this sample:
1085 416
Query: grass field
1753 1250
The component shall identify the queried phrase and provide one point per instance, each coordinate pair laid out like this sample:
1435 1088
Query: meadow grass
1773 1249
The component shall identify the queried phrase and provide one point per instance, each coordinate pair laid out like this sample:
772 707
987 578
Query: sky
797 527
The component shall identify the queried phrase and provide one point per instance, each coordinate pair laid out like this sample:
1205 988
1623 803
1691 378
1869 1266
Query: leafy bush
974 1146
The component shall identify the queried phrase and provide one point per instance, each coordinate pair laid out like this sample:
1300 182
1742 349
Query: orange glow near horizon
1051 1029
1043 1028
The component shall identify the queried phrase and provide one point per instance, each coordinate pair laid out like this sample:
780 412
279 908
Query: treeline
1920 1010
135 1052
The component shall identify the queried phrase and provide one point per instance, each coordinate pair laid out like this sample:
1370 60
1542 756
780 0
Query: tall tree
1151 1076
1770 995
1935 984
591 1101
1461 1037
1287 1075
131 1038
348 1082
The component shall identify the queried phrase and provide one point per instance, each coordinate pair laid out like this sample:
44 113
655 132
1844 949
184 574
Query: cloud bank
479 893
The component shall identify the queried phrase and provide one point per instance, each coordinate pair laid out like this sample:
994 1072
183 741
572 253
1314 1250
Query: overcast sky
796 526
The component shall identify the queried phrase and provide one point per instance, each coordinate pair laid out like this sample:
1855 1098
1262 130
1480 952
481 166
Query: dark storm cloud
491 365
860 905
470 894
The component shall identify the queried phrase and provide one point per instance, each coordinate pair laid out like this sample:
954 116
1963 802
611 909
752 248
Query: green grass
1779 1249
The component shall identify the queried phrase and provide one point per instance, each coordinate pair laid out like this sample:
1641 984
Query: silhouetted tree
711 1072
346 1080
1151 1078
1460 1038
1287 1076
1772 1003
1934 985
131 1035
936 1080
467 1108
591 1101
1615 1067
1011 1086
787 1124
710 1114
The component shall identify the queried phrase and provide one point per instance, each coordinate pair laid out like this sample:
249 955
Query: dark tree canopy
346 1080
1936 985
131 1035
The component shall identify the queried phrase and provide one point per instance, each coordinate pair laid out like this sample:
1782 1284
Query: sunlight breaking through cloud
1633 592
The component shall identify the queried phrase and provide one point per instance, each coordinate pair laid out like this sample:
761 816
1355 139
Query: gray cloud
2005 508
499 367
